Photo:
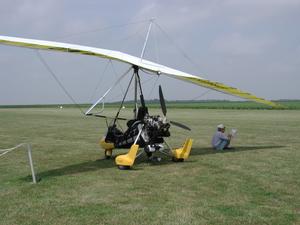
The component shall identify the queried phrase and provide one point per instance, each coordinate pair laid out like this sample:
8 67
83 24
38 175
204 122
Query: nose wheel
124 167
108 153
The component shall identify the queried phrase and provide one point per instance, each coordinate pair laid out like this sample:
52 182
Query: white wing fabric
132 60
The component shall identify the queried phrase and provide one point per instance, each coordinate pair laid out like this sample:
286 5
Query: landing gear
124 167
177 160
108 154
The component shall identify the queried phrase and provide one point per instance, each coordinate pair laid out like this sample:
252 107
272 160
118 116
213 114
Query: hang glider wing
132 60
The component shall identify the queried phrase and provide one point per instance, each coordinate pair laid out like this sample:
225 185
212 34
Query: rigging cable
184 54
108 90
115 74
154 85
135 34
100 80
101 29
178 47
123 100
201 95
155 82
115 97
57 80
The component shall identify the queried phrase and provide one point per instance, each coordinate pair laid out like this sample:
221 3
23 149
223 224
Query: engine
156 127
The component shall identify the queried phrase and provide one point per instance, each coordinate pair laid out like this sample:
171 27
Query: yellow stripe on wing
230 90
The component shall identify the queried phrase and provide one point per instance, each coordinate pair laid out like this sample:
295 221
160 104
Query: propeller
180 125
164 110
162 101
106 117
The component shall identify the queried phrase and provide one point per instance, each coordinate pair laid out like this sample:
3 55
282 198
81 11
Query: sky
253 45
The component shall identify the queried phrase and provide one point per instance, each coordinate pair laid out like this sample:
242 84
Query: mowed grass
257 183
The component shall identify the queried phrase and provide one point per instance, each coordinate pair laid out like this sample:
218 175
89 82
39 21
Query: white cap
221 126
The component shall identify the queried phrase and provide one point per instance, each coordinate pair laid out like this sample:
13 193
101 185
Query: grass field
205 104
257 183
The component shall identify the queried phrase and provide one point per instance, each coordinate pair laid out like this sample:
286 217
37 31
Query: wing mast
136 78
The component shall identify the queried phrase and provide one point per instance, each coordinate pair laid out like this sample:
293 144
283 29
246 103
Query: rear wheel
124 167
108 154
177 160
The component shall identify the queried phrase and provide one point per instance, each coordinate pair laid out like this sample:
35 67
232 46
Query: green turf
257 183
204 104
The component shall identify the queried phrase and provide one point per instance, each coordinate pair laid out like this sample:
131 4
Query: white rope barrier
5 151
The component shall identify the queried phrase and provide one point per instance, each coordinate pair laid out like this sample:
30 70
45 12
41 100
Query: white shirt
217 138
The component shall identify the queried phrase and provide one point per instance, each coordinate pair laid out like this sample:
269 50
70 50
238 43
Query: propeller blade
180 125
162 101
107 117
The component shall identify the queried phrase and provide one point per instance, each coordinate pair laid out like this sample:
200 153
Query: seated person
220 141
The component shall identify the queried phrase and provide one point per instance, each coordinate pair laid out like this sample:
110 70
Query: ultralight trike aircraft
143 130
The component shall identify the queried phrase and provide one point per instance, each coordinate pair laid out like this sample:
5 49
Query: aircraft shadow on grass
206 151
75 169
104 163
80 168
93 166
89 166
